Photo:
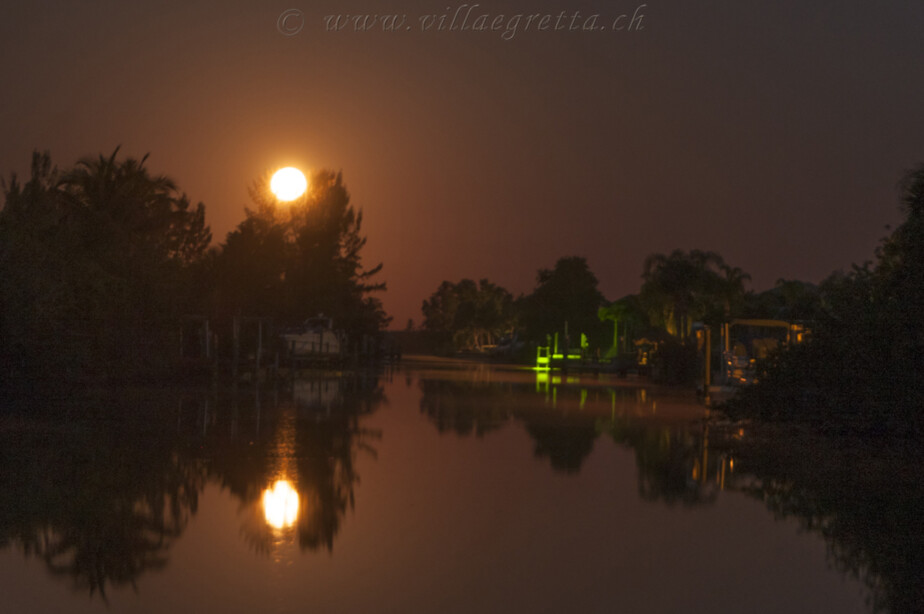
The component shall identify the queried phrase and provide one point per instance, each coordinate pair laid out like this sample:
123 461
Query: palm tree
624 310
138 239
684 286
733 289
131 211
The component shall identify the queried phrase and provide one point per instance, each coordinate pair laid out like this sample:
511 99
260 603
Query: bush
677 363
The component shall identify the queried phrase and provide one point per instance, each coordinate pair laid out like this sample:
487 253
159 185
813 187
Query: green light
543 359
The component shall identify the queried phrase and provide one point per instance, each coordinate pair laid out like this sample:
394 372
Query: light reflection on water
544 491
280 505
280 500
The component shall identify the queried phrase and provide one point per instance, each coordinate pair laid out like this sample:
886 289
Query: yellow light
280 505
288 184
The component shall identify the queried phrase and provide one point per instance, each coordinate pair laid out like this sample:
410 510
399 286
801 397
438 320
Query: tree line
100 262
678 289
859 369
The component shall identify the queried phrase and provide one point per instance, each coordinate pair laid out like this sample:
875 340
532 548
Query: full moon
288 183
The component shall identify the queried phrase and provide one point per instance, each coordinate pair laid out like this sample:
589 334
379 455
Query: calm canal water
439 488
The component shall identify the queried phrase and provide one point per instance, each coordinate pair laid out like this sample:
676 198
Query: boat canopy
779 323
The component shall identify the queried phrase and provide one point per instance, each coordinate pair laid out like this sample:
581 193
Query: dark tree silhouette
567 293
97 264
297 260
860 369
466 315
682 287
626 315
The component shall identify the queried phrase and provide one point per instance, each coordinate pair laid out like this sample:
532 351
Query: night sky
773 132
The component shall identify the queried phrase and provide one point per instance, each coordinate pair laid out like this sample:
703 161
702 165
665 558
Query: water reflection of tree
465 407
565 439
669 460
101 498
565 422
326 454
99 502
314 447
470 407
863 499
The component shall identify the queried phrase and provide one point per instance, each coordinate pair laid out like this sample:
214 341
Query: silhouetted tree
300 259
99 263
624 314
732 290
860 368
250 268
466 315
682 287
36 303
567 293
789 300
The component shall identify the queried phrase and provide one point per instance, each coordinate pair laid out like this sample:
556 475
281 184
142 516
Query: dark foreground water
438 489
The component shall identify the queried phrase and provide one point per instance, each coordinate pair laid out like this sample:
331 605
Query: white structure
315 338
